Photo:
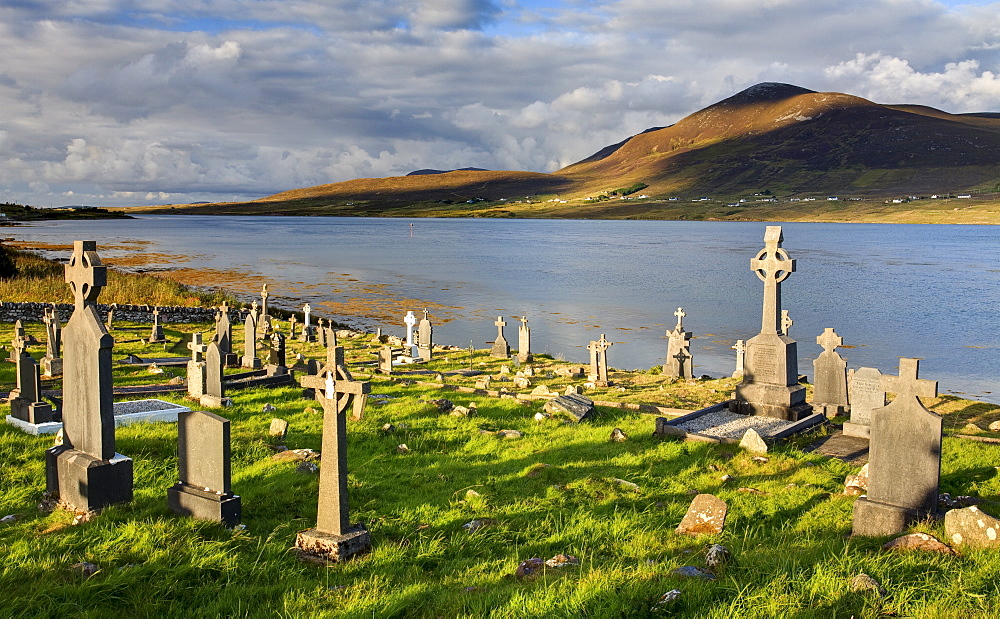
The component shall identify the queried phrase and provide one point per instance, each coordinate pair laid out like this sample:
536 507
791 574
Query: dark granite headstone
770 384
276 356
215 391
27 405
85 471
203 461
830 376
156 336
904 462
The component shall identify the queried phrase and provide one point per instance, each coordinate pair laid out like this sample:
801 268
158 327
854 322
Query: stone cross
786 322
409 320
830 376
264 294
741 348
85 471
599 361
772 266
204 467
291 326
19 343
524 341
680 319
904 464
197 348
501 349
196 366
156 335
307 310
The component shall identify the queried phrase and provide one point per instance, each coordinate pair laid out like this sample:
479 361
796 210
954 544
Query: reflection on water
891 291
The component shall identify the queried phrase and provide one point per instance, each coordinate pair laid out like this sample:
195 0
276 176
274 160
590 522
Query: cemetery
247 460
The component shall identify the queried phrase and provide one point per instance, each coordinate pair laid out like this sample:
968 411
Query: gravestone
292 322
501 349
679 363
276 356
741 348
524 342
705 516
321 332
203 466
904 457
333 538
111 317
830 377
27 404
599 362
425 338
18 344
308 332
250 359
770 385
865 394
52 363
347 391
264 294
224 335
410 320
575 406
156 336
85 471
385 360
215 391
196 367
786 322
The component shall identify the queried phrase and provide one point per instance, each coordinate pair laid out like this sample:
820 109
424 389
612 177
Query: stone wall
33 312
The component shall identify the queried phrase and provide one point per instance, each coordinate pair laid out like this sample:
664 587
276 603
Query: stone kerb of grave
904 461
86 472
770 384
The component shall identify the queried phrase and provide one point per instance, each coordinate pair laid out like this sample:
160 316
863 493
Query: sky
118 103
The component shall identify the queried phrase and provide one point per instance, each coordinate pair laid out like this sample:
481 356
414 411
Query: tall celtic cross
680 319
85 273
603 344
772 266
263 297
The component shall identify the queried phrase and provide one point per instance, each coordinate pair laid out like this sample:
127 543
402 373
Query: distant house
965 196
833 198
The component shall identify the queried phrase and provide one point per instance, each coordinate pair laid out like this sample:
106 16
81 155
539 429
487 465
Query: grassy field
612 505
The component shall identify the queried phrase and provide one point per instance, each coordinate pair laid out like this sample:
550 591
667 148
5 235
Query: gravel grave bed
733 425
142 406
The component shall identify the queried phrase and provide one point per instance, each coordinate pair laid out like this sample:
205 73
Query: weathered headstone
830 377
577 407
196 367
224 335
111 317
679 363
741 348
865 394
85 471
27 404
321 332
308 331
904 462
385 360
501 349
215 391
250 359
276 356
334 538
19 342
524 341
204 490
705 516
264 294
770 384
292 322
52 363
425 338
599 362
156 336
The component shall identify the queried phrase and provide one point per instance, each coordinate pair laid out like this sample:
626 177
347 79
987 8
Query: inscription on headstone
866 395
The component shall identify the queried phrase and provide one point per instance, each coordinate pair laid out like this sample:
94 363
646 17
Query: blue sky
113 102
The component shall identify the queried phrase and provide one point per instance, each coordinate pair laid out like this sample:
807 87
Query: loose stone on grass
666 600
529 568
753 442
706 515
717 557
972 527
690 571
278 429
618 436
864 583
918 541
561 560
296 455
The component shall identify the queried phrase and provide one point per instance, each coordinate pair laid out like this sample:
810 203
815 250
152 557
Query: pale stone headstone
830 376
250 359
19 343
196 367
204 467
904 462
679 362
501 349
52 362
385 360
308 330
85 471
865 394
599 362
264 294
111 317
770 384
524 342
741 348
425 338
705 516
409 320
156 336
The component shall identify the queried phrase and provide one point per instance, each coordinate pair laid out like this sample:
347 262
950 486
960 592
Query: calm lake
891 291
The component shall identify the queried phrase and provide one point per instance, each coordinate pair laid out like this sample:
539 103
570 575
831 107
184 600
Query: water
891 291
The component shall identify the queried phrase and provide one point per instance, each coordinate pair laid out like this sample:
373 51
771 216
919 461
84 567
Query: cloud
122 101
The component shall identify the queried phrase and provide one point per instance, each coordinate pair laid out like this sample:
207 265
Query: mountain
776 137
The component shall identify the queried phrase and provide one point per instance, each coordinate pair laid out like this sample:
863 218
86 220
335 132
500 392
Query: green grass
793 556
